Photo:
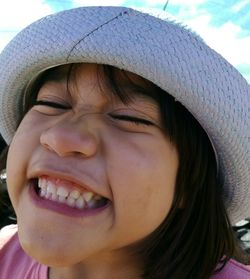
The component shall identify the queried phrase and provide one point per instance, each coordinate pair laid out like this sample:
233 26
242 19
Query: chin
51 256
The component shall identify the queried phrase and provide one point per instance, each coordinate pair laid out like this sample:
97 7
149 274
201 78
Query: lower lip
62 208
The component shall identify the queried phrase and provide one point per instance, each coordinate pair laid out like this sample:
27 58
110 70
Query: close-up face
89 174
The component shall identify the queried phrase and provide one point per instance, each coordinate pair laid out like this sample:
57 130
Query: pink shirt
233 270
16 264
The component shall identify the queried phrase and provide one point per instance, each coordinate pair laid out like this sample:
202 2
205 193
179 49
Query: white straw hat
155 48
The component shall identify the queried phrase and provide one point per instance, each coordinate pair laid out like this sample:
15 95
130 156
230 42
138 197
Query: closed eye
132 119
50 104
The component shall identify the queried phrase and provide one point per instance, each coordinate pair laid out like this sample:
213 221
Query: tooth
42 193
61 191
43 183
88 196
74 194
54 197
51 188
80 203
61 199
91 203
47 195
39 183
71 201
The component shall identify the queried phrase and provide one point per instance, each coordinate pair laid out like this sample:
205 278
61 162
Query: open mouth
64 193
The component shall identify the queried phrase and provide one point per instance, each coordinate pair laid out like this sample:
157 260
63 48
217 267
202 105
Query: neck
104 268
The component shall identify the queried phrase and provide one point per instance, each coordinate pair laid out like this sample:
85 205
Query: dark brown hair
7 215
196 237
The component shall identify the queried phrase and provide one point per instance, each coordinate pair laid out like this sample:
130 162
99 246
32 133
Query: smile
65 197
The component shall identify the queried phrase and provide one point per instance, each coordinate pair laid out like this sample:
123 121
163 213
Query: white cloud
5 38
247 76
182 3
236 8
224 39
187 3
149 3
78 3
16 14
175 2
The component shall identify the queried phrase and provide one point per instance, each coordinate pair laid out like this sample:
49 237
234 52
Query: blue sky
223 24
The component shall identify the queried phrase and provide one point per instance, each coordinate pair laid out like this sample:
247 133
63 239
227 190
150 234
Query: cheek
20 150
142 179
26 138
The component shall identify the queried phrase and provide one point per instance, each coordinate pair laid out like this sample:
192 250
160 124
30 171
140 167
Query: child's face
90 143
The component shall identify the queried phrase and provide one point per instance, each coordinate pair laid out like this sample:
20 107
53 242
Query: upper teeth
52 190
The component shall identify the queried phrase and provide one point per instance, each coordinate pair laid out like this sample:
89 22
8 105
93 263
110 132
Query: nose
71 138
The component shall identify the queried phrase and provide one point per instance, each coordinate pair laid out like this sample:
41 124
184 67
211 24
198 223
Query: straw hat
155 48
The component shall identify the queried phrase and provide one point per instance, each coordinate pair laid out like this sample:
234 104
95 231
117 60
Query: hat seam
94 30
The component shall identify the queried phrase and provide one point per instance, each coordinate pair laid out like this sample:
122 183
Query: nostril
78 154
47 146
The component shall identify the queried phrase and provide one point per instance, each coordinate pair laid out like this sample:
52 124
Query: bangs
121 84
135 85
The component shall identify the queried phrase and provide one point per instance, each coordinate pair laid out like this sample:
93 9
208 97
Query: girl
128 150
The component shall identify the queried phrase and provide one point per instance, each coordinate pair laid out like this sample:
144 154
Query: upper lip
82 180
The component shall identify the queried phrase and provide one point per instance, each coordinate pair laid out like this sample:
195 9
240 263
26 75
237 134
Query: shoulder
14 262
233 270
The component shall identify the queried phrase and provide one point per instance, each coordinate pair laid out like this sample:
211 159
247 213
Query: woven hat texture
155 48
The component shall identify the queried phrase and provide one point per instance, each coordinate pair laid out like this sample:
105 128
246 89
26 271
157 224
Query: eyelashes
130 119
50 104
